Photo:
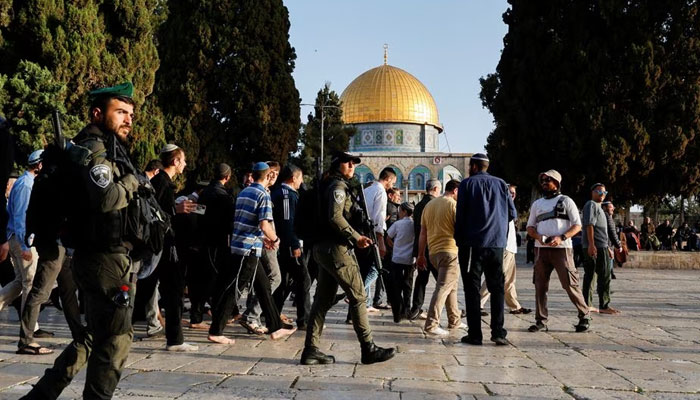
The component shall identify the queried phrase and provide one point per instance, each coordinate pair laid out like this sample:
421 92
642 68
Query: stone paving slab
650 351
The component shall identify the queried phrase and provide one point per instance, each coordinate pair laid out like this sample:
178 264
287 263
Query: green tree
85 44
29 97
600 90
336 135
226 86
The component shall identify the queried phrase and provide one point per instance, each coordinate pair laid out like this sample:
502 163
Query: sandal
253 329
34 350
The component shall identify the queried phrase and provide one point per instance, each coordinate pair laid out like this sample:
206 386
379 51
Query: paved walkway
651 351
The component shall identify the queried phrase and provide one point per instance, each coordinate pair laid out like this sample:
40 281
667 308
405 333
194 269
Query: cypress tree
600 90
226 88
85 44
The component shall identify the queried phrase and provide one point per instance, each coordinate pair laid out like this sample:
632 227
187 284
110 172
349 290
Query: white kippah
168 148
480 157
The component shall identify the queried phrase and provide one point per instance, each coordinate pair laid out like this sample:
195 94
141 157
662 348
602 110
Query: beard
548 194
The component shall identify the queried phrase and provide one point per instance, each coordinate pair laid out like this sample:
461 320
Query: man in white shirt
509 270
376 198
553 220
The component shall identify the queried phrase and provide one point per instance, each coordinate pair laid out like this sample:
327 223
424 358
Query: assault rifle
59 140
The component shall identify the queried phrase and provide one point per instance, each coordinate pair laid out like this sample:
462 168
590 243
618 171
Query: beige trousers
509 272
24 275
445 294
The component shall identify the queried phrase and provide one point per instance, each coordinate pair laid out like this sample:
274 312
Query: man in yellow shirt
437 232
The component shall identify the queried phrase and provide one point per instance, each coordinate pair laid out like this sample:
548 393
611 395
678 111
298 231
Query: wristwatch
563 237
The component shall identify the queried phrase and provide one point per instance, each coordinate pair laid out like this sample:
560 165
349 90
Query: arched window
448 173
418 177
362 173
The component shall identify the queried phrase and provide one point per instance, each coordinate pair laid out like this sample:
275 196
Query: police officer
101 263
338 265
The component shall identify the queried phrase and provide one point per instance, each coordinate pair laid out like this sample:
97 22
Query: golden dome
388 94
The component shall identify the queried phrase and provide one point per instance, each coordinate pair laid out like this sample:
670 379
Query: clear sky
447 44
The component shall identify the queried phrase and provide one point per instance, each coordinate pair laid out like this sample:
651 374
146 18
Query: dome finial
386 53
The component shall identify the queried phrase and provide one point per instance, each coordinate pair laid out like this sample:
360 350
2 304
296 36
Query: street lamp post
323 117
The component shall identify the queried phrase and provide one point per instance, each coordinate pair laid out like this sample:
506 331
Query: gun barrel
58 132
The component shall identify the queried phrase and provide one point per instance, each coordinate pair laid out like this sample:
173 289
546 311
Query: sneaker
184 347
437 331
539 326
500 341
156 334
461 325
423 315
583 325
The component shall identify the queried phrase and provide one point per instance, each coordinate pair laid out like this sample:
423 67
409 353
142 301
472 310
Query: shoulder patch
101 175
339 196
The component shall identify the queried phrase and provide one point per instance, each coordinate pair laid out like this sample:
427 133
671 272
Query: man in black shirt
217 226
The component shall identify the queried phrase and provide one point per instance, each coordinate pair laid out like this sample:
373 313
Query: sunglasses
601 192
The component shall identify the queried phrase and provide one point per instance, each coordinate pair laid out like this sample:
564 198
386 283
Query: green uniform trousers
105 344
338 266
600 267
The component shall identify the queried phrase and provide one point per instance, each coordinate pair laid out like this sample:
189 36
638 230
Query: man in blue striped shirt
252 226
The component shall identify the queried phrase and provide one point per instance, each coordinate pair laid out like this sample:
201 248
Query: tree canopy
55 51
336 135
212 77
225 85
602 91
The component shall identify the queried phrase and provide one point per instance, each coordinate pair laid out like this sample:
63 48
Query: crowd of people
271 238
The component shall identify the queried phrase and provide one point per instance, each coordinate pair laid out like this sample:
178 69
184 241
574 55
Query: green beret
125 89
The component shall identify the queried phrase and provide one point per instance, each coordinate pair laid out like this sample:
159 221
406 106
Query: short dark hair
258 175
392 190
288 172
481 165
153 165
168 158
386 173
451 185
102 101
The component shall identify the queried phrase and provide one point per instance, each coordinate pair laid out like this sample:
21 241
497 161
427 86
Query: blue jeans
371 277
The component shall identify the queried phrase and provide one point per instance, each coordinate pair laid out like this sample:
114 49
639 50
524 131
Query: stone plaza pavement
650 351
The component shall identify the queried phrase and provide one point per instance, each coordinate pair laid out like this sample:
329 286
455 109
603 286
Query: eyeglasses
601 192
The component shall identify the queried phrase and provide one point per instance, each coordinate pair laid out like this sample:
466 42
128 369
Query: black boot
313 356
372 353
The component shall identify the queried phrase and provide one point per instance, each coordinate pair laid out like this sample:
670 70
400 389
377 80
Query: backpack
56 203
307 218
59 199
145 223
